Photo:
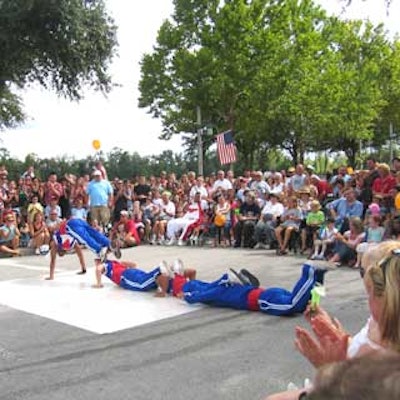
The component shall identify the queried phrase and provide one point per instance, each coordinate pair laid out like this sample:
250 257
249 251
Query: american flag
226 148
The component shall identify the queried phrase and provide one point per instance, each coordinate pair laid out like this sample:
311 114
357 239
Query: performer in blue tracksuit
274 301
127 276
85 234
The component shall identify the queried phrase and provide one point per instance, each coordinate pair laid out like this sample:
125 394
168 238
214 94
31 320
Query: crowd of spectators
334 216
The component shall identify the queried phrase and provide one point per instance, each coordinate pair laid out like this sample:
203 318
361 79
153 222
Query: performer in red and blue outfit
126 275
275 301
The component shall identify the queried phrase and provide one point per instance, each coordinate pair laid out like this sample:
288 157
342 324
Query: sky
59 127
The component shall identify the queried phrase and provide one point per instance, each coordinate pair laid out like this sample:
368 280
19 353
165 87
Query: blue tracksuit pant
138 280
220 293
87 235
278 301
274 301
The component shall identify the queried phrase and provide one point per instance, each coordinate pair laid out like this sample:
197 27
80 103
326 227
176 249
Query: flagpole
199 142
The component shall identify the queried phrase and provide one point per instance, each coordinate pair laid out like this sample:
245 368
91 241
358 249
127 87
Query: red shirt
384 185
117 270
177 284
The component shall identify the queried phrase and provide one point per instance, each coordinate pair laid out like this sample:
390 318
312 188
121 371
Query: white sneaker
314 257
257 246
37 251
177 267
164 269
103 254
181 242
171 242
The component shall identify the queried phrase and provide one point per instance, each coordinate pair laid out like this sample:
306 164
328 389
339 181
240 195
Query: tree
61 44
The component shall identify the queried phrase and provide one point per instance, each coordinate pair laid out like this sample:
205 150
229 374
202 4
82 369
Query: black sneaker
115 247
319 275
250 277
237 277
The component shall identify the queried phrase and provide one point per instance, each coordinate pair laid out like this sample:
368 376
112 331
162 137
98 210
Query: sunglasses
383 263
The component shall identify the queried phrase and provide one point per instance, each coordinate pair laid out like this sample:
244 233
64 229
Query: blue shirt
99 192
346 210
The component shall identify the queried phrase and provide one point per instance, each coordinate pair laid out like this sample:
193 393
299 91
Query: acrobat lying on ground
238 291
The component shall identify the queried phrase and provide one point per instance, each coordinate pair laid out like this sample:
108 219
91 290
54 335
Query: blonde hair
384 275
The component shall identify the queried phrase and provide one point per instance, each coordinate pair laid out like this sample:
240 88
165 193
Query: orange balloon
96 144
219 220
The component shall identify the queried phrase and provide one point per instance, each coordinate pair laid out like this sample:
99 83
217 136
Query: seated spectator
190 219
9 235
23 228
314 220
374 235
163 211
124 233
53 205
39 233
247 218
344 251
53 222
221 224
268 221
325 237
291 219
344 208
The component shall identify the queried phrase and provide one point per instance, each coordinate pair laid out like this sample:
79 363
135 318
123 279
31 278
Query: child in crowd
325 238
375 235
78 210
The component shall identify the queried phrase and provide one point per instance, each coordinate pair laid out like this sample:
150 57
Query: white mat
70 299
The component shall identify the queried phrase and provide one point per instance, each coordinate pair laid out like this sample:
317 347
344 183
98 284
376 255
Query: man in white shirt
221 182
267 223
198 187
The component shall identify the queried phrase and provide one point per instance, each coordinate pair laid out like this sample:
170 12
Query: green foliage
281 74
61 44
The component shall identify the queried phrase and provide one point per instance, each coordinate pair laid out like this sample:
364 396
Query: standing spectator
100 194
29 172
142 190
36 188
122 195
100 167
52 188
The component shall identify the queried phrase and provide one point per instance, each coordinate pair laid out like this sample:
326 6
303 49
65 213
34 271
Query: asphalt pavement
209 353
